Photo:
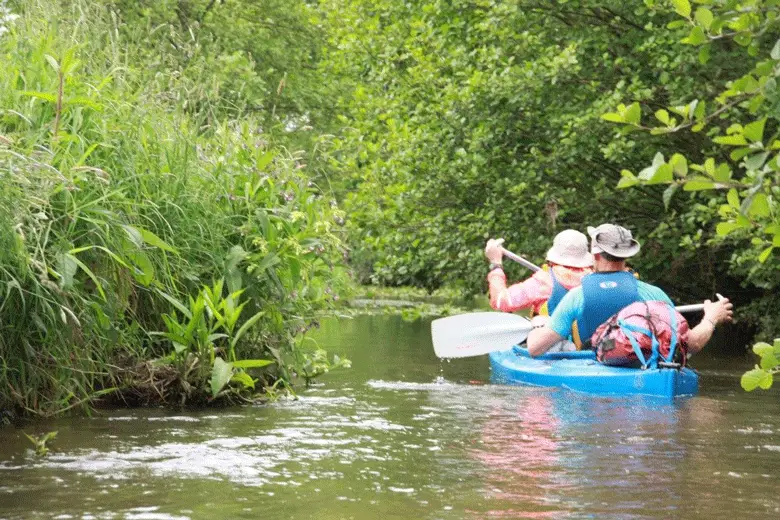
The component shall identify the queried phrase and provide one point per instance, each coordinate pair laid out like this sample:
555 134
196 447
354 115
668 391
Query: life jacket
604 294
557 294
643 335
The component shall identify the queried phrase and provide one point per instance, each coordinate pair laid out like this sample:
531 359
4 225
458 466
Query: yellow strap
575 335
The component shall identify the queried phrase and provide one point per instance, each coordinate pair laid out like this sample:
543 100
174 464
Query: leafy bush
739 154
120 214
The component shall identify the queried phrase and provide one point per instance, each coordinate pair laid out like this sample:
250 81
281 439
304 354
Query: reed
119 210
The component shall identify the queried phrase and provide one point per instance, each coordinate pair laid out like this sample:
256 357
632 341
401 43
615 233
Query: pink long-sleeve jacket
533 292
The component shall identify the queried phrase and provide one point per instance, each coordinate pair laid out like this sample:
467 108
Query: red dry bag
643 334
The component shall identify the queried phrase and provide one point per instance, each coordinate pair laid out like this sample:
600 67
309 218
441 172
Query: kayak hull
579 371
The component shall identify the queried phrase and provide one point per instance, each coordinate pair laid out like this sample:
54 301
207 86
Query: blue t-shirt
572 306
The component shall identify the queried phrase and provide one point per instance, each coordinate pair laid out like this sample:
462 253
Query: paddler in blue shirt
607 291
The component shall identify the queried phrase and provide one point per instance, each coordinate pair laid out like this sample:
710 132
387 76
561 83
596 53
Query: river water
403 435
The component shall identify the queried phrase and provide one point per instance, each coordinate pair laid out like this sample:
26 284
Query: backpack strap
627 329
673 325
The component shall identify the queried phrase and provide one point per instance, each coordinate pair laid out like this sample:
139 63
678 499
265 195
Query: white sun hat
612 239
570 248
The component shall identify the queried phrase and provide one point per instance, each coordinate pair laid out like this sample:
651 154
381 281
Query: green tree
736 169
471 119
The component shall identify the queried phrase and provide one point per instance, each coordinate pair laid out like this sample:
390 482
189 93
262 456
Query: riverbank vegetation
161 240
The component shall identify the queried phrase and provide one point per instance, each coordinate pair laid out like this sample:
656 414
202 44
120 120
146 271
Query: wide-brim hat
570 248
614 240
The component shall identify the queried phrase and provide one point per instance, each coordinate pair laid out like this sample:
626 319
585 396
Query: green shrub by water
125 212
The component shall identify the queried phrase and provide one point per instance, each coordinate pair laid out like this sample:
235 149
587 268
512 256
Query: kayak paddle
520 260
682 309
477 333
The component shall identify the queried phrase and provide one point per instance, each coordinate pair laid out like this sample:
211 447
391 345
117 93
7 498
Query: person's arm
541 339
529 293
559 325
715 313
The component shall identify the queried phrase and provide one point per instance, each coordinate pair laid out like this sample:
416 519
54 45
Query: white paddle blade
477 333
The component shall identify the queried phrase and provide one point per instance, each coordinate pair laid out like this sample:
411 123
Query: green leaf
722 173
668 193
176 303
633 114
144 269
755 130
53 62
709 166
627 182
731 140
756 378
762 349
89 273
67 269
724 228
268 261
696 37
764 256
244 328
651 170
704 55
682 7
221 373
51 98
699 184
134 235
704 17
613 117
701 108
739 153
155 241
733 198
662 175
775 54
663 116
679 164
243 378
253 363
760 206
265 160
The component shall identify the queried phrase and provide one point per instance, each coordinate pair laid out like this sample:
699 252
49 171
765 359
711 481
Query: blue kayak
579 371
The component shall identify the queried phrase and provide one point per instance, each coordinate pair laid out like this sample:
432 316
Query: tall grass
116 208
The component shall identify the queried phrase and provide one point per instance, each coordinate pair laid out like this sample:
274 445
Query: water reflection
552 453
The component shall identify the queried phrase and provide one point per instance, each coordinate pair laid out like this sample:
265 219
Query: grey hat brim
619 252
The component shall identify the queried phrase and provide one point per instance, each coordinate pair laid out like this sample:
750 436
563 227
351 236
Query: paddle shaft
697 307
520 260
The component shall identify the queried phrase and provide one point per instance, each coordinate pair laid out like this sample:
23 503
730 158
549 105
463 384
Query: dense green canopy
472 119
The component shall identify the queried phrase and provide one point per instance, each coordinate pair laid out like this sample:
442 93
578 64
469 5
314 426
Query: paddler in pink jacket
568 260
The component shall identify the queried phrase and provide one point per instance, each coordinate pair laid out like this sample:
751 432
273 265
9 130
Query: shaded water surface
405 436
